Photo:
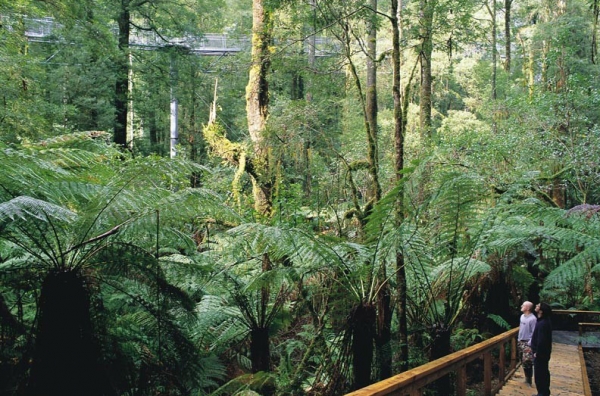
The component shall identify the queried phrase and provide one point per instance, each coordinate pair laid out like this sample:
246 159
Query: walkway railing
413 381
572 317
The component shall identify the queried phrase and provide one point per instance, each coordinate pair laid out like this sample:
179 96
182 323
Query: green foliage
177 279
522 279
500 321
463 338
565 243
84 217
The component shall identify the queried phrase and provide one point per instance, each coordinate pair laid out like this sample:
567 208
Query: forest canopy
286 198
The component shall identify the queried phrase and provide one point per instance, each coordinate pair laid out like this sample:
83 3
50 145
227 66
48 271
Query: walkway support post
174 132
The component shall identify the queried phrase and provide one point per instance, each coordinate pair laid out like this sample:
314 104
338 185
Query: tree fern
440 241
103 225
565 244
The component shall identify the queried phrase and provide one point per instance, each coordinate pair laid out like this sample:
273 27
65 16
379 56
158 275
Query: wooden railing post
461 381
487 374
513 353
502 361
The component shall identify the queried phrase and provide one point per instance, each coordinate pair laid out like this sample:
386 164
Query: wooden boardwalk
566 378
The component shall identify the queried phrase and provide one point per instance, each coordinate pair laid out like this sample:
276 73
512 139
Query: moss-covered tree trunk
399 128
594 43
426 49
494 51
371 108
257 104
507 34
384 312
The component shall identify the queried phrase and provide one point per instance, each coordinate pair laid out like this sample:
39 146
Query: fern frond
30 209
219 325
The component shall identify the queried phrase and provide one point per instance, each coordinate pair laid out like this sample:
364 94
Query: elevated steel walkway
45 30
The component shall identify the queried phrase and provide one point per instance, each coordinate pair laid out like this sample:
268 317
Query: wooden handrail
587 391
586 324
574 312
584 374
411 382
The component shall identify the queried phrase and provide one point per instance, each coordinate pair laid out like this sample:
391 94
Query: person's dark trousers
541 374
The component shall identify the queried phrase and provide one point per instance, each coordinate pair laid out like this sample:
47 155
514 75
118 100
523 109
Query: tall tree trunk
595 14
368 105
507 16
309 96
494 54
384 312
371 106
257 104
426 49
197 147
492 12
173 105
312 43
122 81
545 51
399 128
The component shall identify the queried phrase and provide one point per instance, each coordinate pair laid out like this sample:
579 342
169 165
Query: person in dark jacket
541 345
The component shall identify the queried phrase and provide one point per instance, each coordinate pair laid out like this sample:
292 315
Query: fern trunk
362 325
66 360
260 353
440 347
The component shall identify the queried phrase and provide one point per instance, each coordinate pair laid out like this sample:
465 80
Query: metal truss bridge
209 44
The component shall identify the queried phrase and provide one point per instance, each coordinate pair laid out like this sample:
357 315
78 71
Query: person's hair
546 309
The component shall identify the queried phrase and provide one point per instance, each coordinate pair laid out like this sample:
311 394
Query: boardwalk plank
565 375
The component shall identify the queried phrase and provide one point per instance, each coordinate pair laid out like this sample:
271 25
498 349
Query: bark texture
257 104
122 82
